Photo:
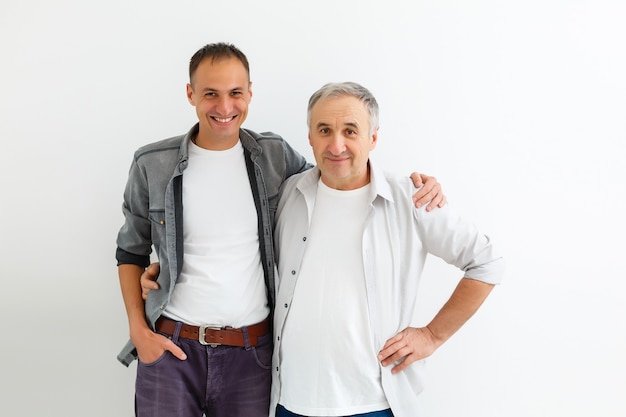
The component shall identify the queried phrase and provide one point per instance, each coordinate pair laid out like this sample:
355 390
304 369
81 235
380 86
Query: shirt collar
379 184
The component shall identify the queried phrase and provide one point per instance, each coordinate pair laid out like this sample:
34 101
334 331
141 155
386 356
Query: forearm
412 344
129 276
150 345
462 304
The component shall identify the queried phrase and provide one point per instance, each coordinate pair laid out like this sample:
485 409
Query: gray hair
346 89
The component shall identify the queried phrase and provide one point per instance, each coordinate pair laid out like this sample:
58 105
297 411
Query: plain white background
518 108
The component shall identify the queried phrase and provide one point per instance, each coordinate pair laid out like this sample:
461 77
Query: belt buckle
202 334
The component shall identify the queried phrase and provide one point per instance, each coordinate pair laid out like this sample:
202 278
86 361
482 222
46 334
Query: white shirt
395 243
327 355
221 282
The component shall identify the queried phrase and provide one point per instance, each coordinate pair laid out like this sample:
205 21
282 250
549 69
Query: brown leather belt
215 336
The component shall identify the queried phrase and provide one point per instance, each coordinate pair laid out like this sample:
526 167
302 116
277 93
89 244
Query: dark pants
283 412
223 381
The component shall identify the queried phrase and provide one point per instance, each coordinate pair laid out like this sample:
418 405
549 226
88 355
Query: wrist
436 337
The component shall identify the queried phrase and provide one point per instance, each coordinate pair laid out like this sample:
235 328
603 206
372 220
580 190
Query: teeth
223 120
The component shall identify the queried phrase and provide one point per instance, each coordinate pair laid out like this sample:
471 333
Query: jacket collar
247 141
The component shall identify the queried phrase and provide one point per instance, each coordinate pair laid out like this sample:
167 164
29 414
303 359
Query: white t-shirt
221 282
329 365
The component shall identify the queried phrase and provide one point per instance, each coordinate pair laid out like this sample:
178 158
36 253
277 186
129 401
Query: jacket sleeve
134 238
295 163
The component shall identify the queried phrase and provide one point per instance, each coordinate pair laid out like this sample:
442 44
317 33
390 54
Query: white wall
517 107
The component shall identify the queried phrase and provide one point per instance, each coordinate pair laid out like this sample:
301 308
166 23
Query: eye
324 130
351 132
209 94
235 93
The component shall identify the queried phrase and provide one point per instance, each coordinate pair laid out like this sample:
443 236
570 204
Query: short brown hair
216 52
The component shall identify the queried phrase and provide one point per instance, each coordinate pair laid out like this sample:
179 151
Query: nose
337 145
224 105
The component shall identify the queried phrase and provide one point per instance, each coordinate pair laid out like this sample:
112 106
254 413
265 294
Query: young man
203 341
350 249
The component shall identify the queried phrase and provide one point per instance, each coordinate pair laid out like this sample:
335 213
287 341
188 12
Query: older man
350 250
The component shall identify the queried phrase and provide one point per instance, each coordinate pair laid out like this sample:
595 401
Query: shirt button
293 272
304 239
286 305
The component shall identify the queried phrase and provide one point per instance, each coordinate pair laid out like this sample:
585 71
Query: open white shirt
326 350
395 243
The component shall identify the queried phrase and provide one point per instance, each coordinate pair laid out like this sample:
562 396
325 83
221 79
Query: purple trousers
221 381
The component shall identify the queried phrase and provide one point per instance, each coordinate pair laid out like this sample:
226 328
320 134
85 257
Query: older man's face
341 142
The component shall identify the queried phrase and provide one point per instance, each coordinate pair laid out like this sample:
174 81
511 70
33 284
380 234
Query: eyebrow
210 89
347 124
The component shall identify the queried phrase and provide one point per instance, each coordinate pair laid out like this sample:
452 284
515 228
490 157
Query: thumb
153 269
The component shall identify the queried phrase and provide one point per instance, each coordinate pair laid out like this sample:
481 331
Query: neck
214 144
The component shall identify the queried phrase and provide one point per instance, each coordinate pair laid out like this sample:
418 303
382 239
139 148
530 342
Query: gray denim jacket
154 216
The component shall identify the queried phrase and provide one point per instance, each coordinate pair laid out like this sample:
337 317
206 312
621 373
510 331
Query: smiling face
220 90
339 134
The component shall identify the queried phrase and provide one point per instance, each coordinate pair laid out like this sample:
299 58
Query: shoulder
292 182
297 185
169 145
266 140
266 144
393 187
264 136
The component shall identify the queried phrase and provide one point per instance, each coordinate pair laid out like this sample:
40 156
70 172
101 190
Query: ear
190 94
309 136
250 88
374 139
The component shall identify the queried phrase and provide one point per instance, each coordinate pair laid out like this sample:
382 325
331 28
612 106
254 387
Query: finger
396 356
429 181
395 349
403 364
424 197
391 346
424 178
152 271
175 350
421 197
392 358
384 356
417 179
148 284
437 197
145 291
430 188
